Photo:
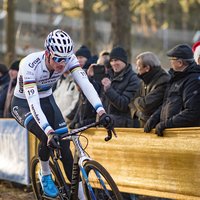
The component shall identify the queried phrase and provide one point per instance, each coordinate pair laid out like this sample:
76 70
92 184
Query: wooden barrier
143 163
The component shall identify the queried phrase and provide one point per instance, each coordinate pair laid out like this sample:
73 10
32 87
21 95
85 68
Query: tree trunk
121 25
88 26
10 32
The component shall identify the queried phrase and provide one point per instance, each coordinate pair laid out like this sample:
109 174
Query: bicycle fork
79 158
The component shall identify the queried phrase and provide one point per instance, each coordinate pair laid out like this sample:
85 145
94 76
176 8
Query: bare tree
88 25
10 32
121 25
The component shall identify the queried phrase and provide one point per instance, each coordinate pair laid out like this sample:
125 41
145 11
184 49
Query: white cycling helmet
59 44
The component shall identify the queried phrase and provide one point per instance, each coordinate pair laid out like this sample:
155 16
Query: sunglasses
59 60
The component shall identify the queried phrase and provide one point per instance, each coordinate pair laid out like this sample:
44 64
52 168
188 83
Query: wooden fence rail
143 163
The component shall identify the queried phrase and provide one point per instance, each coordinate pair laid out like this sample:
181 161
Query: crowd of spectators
151 98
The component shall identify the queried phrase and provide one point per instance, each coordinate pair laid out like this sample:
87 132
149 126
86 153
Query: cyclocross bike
97 182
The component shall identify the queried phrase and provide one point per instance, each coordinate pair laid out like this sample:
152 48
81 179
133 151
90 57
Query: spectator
151 92
181 102
85 113
196 50
13 72
104 58
119 87
4 82
85 59
65 94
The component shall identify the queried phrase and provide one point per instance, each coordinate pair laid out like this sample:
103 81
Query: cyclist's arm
32 96
87 88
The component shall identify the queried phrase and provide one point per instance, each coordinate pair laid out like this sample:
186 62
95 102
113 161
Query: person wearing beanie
119 53
85 57
196 50
4 82
180 107
118 88
13 72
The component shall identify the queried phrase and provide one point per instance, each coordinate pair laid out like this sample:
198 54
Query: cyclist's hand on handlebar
53 141
107 121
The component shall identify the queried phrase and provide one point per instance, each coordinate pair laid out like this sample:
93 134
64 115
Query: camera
99 72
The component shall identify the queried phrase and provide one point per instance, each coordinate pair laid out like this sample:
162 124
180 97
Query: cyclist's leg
60 126
22 114
67 159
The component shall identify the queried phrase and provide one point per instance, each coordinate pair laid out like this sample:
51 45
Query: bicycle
97 182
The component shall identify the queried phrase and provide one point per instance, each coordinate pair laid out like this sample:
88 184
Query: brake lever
113 130
58 151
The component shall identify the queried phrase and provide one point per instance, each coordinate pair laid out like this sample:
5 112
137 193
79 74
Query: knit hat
183 51
196 50
3 68
119 53
83 51
15 65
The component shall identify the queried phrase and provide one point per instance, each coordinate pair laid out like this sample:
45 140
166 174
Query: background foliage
140 25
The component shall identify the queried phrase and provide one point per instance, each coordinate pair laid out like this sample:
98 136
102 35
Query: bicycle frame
79 158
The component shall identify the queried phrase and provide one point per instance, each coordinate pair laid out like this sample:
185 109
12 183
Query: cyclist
34 108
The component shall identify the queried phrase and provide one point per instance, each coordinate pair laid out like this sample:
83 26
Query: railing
143 163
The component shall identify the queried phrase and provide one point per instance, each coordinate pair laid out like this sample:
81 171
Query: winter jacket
85 114
66 95
181 105
117 97
150 94
90 61
4 82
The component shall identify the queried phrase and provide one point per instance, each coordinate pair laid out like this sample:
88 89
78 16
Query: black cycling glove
54 141
107 121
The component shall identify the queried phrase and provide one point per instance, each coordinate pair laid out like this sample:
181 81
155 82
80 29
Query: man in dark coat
180 107
151 92
83 112
4 82
118 88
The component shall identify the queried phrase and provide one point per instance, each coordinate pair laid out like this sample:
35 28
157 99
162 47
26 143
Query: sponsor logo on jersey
42 88
29 73
62 124
27 114
16 114
35 63
55 76
34 113
21 84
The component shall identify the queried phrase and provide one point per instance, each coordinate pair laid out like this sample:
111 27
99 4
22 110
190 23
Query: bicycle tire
36 186
109 191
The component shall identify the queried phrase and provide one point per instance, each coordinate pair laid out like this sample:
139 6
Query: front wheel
102 184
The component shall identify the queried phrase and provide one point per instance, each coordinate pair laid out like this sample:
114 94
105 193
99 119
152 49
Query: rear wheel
37 189
103 186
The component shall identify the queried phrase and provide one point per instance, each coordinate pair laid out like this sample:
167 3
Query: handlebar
75 131
94 124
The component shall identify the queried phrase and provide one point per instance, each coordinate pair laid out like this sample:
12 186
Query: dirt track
10 191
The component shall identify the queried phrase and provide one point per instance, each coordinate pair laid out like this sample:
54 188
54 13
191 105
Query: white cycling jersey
35 81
